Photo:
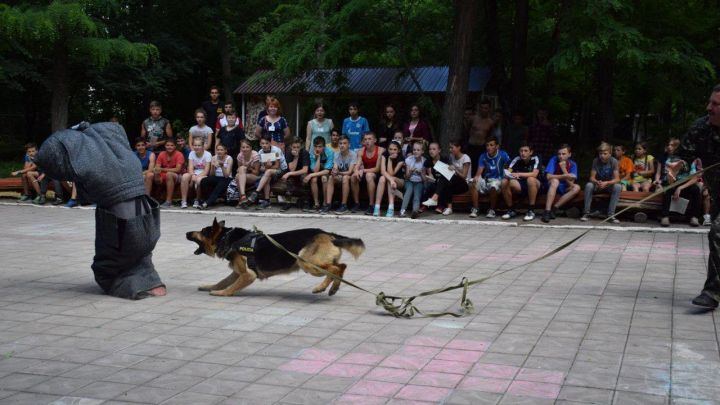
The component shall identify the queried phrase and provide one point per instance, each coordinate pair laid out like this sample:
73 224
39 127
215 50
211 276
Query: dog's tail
353 245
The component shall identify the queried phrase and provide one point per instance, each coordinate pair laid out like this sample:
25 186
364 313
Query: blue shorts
562 188
524 187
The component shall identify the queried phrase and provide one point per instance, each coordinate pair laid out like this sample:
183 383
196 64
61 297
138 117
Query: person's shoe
705 301
665 222
280 199
183 204
585 217
355 209
376 211
553 213
614 221
529 215
509 215
473 212
694 222
447 212
545 216
640 217
370 210
243 199
325 209
40 200
285 207
415 214
263 204
196 204
422 208
490 213
253 197
594 214
707 221
430 203
166 204
402 214
58 201
390 212
71 204
315 208
439 210
342 210
24 198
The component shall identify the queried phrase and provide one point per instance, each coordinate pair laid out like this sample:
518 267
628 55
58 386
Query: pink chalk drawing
419 393
445 366
346 370
468 356
367 359
397 375
404 362
484 384
494 371
444 380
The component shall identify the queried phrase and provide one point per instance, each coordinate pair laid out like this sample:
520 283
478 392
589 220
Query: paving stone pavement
607 321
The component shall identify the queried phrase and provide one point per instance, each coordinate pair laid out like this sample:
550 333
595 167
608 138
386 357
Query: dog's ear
217 224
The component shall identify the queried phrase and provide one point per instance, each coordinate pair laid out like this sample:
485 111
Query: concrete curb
703 230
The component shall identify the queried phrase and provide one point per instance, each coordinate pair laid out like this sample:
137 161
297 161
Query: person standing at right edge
703 141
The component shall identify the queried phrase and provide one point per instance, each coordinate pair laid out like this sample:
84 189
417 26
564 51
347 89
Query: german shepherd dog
252 256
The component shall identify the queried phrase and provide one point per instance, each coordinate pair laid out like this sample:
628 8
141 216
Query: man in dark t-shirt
213 107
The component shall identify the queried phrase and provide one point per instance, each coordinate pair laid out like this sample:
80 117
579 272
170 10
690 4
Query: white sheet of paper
508 174
268 157
444 169
679 205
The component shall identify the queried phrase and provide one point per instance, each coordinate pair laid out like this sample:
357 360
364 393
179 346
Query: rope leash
406 309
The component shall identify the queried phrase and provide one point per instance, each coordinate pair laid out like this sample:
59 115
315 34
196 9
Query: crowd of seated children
561 173
367 171
458 183
604 178
215 184
488 177
522 180
392 170
415 179
198 168
321 163
298 161
625 167
270 171
344 163
168 170
643 168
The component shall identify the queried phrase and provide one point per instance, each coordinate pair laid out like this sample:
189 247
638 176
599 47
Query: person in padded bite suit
127 222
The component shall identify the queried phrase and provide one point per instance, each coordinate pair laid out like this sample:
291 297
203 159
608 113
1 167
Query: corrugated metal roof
432 79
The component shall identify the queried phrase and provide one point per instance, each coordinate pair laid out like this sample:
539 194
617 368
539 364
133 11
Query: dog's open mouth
191 237
200 250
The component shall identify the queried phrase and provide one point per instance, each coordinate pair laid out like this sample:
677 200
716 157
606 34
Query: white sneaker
402 213
447 211
280 199
707 221
473 212
529 216
196 204
490 214
183 204
430 203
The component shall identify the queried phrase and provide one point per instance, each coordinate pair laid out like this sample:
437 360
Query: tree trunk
459 71
495 55
519 49
604 77
60 89
550 79
226 69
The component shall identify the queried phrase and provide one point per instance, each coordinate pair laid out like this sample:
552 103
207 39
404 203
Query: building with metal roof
350 82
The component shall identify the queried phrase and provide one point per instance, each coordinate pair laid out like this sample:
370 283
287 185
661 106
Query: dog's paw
206 288
333 291
318 290
219 293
